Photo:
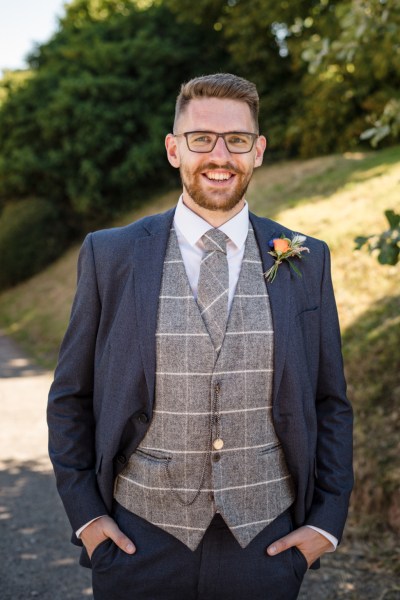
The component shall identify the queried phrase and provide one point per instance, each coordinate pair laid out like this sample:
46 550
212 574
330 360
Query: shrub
32 234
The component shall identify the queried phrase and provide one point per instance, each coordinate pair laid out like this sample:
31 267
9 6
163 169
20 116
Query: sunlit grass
351 203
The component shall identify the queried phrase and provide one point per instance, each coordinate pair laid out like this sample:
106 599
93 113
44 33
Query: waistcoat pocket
152 455
270 448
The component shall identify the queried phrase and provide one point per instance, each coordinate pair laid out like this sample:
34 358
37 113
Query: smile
218 176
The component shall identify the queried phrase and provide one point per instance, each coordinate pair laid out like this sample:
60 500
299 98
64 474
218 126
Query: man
199 426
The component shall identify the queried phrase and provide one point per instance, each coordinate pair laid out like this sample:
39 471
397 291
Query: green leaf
389 255
295 269
368 133
393 219
360 241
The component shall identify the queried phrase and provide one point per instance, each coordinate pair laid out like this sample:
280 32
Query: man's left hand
310 543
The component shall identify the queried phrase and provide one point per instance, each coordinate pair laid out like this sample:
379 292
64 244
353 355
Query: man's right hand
101 529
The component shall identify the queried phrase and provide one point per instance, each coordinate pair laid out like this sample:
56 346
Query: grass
353 192
335 198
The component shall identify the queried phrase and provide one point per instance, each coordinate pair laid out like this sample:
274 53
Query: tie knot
215 240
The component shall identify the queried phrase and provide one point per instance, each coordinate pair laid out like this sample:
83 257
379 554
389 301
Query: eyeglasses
237 142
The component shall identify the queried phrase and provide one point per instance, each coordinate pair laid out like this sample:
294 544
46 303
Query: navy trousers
165 569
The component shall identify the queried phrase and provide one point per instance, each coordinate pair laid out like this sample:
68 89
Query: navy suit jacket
101 400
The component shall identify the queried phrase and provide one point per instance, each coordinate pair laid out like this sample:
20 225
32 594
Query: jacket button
143 418
121 458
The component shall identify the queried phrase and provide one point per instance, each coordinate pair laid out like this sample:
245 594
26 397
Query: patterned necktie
213 286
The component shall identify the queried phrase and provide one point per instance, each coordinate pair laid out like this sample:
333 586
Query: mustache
212 166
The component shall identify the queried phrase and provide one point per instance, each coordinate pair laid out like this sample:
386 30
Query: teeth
218 176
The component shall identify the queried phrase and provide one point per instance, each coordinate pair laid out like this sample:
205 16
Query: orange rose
281 245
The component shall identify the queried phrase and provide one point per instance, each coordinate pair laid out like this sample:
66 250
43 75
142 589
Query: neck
215 218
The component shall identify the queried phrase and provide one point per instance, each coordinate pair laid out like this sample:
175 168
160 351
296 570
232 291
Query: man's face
215 180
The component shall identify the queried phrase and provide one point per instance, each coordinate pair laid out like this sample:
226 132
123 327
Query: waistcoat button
143 418
216 457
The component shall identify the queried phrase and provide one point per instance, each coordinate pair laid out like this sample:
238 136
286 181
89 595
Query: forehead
216 114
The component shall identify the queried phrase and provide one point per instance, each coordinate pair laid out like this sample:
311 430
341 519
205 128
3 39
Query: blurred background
87 94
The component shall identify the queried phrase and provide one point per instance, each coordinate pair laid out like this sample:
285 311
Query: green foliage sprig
387 243
388 124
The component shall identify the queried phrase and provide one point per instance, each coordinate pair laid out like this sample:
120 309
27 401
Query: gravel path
36 558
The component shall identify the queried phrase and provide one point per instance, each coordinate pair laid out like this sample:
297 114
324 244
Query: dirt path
36 558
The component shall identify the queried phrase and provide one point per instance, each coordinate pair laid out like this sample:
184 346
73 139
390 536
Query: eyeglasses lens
203 141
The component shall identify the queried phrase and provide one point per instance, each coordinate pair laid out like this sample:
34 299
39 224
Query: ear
261 145
172 151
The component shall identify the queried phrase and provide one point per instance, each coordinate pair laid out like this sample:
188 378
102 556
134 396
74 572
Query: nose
220 151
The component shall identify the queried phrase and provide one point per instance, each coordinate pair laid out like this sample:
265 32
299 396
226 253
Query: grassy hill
334 198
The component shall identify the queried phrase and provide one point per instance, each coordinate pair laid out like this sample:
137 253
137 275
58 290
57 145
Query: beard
224 200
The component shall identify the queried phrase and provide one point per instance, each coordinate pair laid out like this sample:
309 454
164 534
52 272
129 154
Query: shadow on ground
37 560
13 363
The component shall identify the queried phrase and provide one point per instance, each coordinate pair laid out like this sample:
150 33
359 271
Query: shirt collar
193 227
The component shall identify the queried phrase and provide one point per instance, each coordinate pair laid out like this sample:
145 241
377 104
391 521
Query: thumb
282 544
112 531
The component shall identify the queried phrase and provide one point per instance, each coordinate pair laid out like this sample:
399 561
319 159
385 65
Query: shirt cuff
331 538
78 533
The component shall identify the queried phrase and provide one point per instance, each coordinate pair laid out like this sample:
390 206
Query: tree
326 69
354 75
86 130
256 35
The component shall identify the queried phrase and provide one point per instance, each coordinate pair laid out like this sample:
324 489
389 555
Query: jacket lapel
278 291
148 256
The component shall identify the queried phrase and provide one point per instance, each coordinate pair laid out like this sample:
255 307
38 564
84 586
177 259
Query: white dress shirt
190 228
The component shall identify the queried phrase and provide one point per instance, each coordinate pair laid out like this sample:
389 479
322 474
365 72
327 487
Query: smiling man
199 427
215 167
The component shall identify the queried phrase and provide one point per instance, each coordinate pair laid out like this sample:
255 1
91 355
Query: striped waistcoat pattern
247 481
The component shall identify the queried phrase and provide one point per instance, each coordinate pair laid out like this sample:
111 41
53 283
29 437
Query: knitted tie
213 286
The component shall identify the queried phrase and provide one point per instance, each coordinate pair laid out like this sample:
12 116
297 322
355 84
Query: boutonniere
283 248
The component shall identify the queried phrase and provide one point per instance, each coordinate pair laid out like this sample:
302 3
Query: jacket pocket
300 565
99 460
307 311
97 552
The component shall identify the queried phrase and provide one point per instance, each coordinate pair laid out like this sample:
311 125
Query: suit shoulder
115 237
277 229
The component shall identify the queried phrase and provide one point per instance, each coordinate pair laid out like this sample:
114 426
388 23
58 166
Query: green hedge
32 234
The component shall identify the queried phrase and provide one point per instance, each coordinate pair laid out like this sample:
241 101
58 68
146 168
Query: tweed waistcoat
247 481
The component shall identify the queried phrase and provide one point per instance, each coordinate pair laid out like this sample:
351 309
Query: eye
238 140
200 138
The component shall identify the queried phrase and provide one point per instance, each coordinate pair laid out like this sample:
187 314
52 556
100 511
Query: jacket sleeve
70 413
333 465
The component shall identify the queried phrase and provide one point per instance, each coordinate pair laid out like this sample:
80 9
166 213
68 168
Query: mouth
219 177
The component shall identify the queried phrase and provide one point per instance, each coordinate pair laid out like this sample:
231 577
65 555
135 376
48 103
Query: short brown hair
219 85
